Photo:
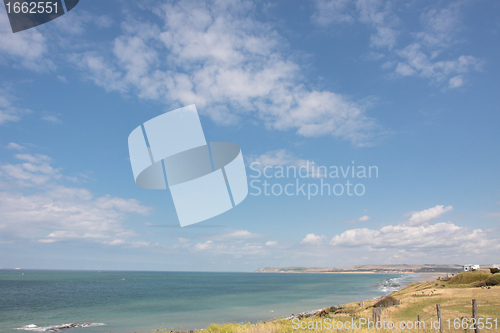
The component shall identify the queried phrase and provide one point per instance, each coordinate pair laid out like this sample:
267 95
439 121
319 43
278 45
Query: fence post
376 314
475 315
438 308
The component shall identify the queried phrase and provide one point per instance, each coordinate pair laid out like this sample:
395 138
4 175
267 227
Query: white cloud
375 13
283 157
204 246
312 239
440 26
332 11
38 158
51 212
230 242
379 15
102 74
182 243
15 146
121 204
102 21
51 119
51 217
62 78
447 237
221 58
419 63
364 218
405 69
236 249
455 82
37 50
77 22
235 243
237 234
28 48
277 157
427 215
9 112
35 171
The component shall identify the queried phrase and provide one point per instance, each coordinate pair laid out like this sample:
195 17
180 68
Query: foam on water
56 328
389 285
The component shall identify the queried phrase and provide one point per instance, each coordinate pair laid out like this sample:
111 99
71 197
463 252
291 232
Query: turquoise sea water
142 301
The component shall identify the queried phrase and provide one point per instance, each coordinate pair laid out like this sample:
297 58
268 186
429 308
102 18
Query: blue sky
408 87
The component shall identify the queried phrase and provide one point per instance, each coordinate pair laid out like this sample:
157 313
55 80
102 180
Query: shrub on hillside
494 270
493 280
469 277
386 302
327 311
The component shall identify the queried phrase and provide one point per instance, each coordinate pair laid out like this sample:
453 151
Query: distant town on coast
379 269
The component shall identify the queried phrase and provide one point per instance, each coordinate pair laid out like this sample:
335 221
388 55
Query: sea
119 301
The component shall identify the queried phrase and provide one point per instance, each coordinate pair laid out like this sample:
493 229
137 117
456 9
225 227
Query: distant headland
366 269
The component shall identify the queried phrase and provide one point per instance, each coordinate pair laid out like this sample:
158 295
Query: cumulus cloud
276 157
419 63
423 238
237 234
36 50
50 212
380 16
235 248
221 58
377 14
62 78
26 48
283 157
51 216
15 146
8 111
51 118
439 23
332 11
280 157
78 21
427 215
271 243
204 246
417 239
34 171
312 239
364 218
456 81
233 242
